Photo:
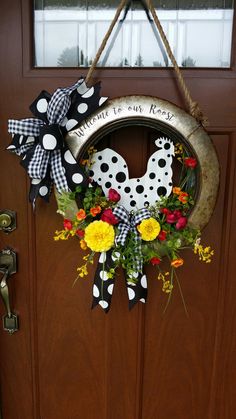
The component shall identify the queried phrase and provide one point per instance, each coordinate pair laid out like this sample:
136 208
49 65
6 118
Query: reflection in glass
68 33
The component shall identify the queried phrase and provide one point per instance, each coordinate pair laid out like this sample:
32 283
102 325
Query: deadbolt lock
7 220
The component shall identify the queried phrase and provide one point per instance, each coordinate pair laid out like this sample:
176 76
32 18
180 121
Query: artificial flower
190 162
81 215
176 190
171 218
84 162
83 244
155 261
166 284
109 217
204 253
67 224
183 197
162 235
165 211
99 236
83 271
177 214
79 232
113 195
149 229
176 263
95 210
181 223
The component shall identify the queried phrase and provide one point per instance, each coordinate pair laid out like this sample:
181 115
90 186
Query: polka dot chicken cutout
110 170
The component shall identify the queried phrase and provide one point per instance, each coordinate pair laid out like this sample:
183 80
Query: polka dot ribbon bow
40 141
136 281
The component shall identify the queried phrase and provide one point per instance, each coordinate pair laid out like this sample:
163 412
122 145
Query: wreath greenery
166 233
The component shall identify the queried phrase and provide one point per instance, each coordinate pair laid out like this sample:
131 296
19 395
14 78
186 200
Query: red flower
165 211
155 261
181 223
80 233
113 195
162 235
67 224
190 162
109 217
171 218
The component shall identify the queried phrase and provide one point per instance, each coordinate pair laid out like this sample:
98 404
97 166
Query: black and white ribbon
40 141
136 281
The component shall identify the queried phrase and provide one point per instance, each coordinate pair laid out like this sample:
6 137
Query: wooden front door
68 362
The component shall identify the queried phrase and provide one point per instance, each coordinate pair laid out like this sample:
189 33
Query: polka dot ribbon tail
40 141
136 282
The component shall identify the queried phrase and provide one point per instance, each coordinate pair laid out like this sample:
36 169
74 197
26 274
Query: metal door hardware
7 220
7 268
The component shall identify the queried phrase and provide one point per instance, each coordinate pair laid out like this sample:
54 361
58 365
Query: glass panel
68 33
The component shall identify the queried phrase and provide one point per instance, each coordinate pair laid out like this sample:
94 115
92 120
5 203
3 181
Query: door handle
8 268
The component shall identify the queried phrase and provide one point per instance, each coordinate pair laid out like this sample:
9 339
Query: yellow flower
99 236
204 254
176 263
83 271
166 284
149 229
83 244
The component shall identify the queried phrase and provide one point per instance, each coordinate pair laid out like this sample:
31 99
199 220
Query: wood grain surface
68 362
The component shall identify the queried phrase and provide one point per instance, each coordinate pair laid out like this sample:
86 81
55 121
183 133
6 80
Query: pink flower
109 217
177 214
67 224
171 218
113 195
181 223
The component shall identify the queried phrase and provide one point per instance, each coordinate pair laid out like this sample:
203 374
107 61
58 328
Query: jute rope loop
192 105
104 41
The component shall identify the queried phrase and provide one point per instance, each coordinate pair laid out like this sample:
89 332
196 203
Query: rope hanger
193 106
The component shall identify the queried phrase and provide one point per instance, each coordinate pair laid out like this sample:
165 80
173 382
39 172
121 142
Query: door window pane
68 33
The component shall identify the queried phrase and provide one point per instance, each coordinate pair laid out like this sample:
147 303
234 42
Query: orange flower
81 215
183 197
95 210
83 244
176 190
176 263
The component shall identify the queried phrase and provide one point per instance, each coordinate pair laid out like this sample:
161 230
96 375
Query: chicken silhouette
110 171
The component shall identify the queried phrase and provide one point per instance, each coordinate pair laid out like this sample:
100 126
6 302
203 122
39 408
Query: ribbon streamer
136 281
40 141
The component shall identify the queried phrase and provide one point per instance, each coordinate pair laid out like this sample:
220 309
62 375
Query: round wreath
124 234
147 234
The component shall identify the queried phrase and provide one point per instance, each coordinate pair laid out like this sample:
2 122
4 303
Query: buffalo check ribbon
40 141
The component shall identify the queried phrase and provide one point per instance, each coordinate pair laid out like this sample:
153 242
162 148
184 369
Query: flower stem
181 294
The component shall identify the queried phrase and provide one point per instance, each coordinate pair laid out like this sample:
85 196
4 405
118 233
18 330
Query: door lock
7 220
